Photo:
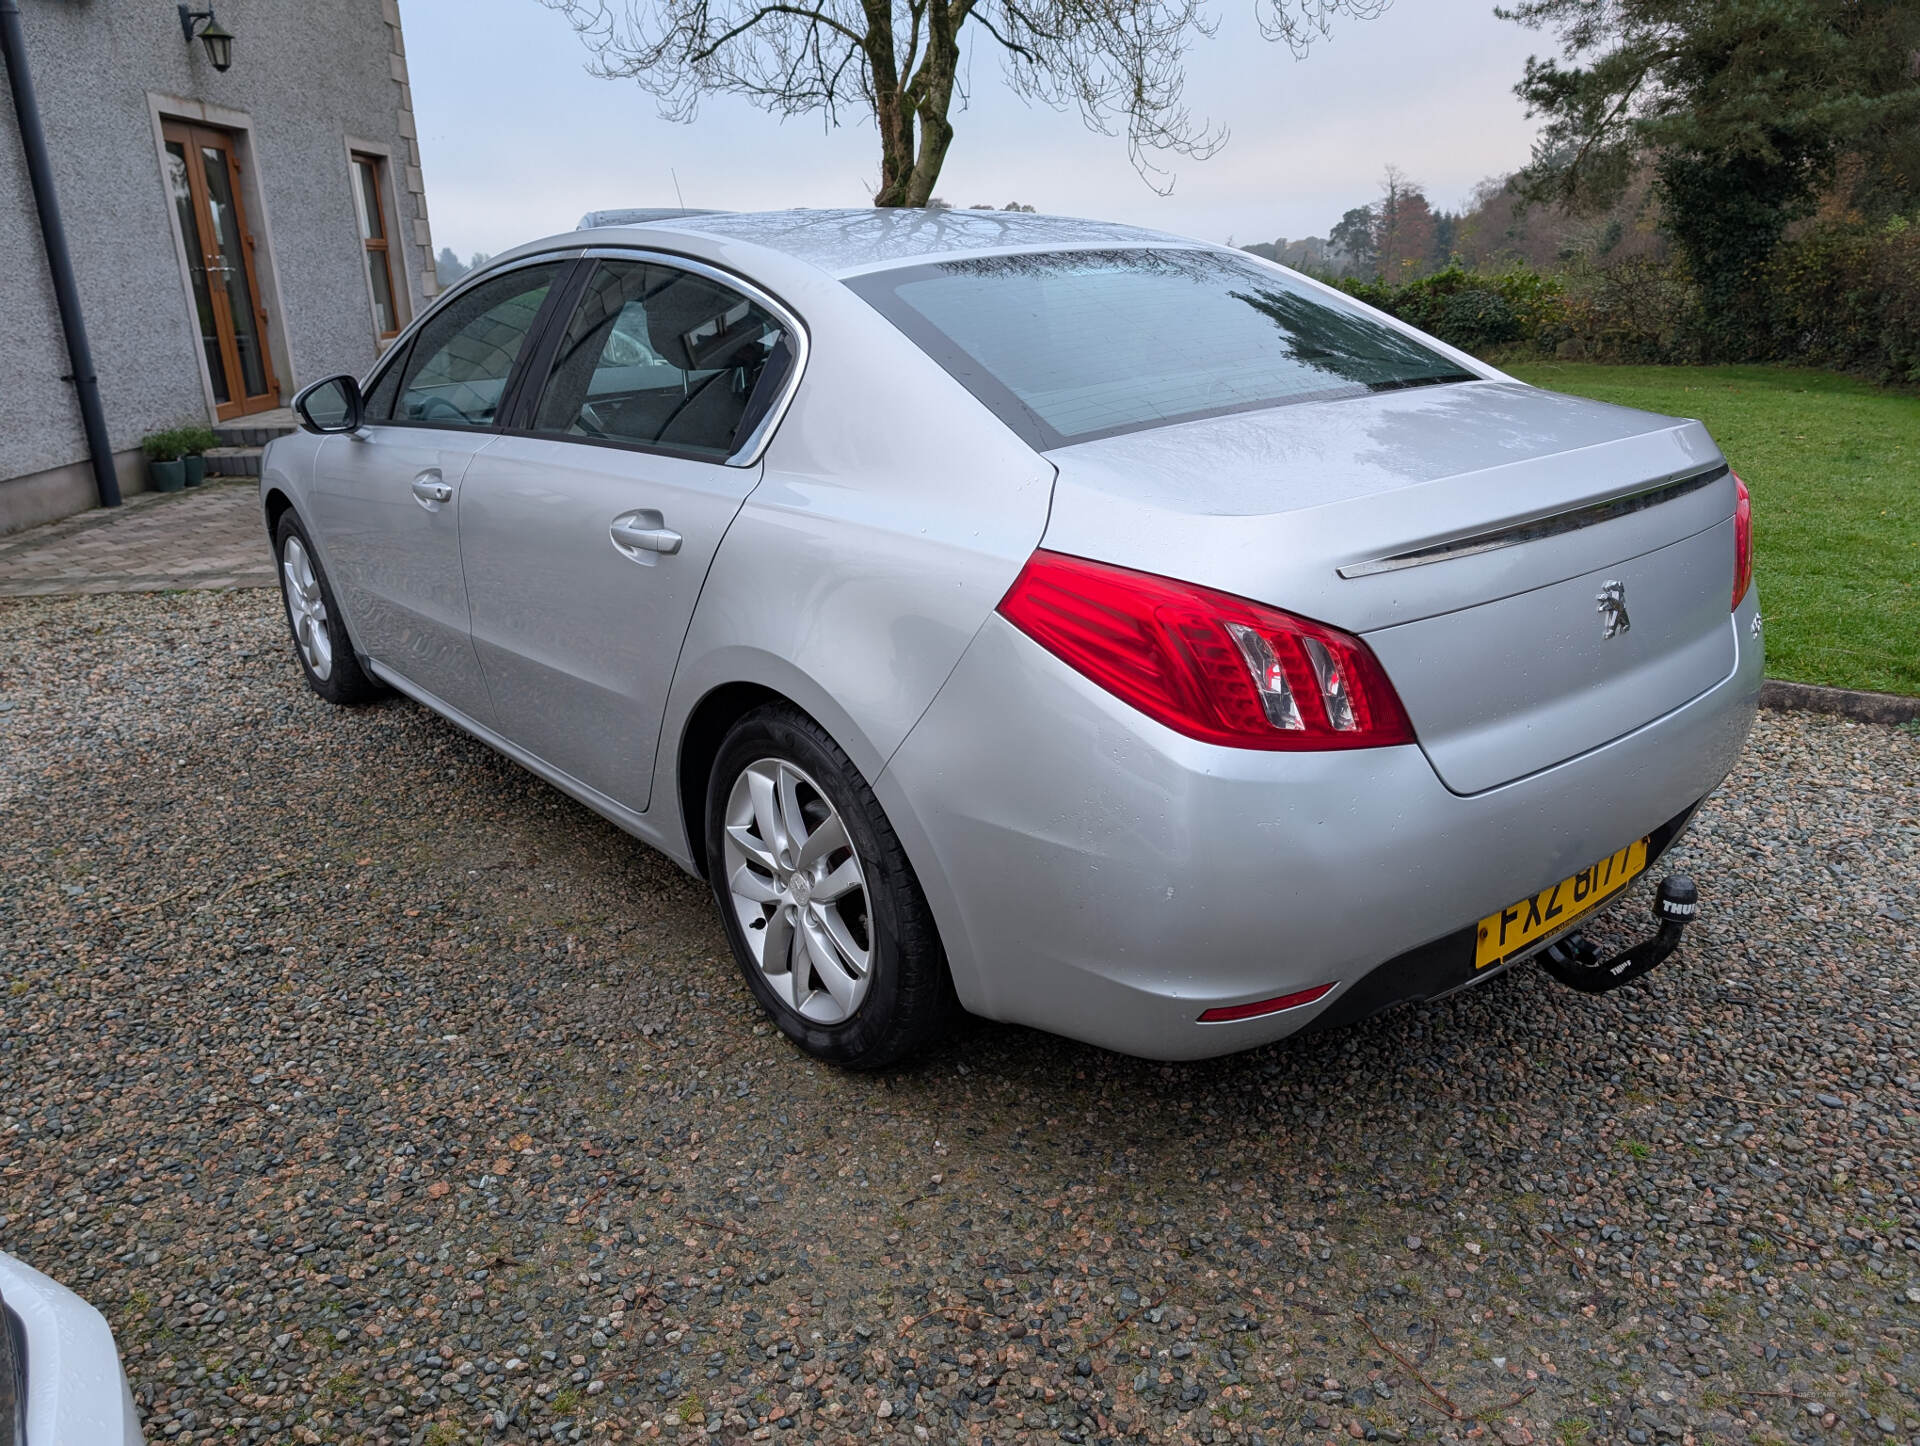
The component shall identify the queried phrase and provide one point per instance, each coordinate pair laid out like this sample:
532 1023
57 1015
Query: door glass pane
230 254
462 357
378 403
661 357
381 279
366 200
366 209
196 268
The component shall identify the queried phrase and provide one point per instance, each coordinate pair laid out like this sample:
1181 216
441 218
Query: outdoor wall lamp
215 36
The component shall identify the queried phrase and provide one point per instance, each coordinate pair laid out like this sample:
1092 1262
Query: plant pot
167 476
196 466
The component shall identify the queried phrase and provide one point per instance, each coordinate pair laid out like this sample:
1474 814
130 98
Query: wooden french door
203 176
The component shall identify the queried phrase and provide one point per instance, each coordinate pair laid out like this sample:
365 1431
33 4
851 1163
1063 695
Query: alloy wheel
799 891
307 608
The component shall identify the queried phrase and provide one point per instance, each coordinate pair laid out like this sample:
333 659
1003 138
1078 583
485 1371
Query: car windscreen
1067 346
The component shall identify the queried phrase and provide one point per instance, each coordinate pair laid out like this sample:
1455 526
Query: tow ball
1576 963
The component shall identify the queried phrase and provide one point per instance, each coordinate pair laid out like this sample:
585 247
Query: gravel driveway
377 1092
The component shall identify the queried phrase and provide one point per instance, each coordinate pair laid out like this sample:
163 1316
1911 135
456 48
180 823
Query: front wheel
823 911
320 638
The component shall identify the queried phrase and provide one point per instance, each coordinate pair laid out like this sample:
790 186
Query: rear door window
655 356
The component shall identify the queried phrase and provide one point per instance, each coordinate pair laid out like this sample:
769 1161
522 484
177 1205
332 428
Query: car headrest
700 327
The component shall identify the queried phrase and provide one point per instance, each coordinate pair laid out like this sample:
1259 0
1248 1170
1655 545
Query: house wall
307 80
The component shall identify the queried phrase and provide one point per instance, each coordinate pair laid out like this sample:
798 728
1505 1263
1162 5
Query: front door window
457 370
203 177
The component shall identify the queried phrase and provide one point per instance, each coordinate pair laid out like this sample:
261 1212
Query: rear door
387 497
587 530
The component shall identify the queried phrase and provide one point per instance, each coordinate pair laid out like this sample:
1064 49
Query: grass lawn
1834 468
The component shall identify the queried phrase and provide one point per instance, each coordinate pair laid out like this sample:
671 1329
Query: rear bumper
1099 876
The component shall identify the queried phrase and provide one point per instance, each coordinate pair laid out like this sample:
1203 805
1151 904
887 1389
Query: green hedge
1849 299
1476 311
1845 297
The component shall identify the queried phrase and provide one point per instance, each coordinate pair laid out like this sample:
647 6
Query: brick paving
207 537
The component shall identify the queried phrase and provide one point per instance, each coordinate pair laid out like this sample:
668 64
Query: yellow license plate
1506 933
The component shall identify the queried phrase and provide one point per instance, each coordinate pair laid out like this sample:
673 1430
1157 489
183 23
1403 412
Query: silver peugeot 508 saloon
1089 627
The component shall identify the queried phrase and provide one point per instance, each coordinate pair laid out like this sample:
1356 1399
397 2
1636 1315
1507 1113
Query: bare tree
1121 62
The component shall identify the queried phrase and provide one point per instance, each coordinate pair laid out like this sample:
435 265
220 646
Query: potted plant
165 469
194 442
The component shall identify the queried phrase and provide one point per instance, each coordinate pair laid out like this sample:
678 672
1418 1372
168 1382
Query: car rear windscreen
1067 346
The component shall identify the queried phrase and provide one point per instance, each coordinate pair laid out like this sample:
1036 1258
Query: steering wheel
589 421
437 408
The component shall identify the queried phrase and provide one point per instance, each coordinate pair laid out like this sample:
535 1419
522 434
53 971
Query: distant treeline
449 268
1841 294
1402 236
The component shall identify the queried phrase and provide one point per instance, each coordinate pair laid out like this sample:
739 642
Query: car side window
461 359
377 404
659 357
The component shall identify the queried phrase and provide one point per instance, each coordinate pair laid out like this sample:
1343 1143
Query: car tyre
319 632
826 918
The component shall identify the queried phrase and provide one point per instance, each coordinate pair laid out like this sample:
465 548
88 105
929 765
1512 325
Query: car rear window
1068 346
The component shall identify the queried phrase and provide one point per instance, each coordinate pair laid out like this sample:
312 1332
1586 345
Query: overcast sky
518 140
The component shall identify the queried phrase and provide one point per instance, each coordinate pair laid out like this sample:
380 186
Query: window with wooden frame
369 203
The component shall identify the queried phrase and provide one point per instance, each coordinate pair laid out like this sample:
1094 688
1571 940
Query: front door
203 176
585 545
388 498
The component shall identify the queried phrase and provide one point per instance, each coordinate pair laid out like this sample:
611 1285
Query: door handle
430 491
634 533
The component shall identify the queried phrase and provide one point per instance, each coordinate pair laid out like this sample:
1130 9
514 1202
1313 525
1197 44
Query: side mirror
330 406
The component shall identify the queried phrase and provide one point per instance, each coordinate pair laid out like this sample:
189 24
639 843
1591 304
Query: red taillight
1207 664
1742 540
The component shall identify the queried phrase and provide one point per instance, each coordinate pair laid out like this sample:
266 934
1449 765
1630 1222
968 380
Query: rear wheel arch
895 990
729 684
706 728
712 718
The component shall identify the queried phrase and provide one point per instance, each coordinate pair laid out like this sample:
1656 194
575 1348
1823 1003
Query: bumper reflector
1229 1012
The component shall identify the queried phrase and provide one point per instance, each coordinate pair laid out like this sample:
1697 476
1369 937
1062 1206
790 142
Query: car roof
845 243
637 216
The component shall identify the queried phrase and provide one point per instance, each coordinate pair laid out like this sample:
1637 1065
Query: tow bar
1576 963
